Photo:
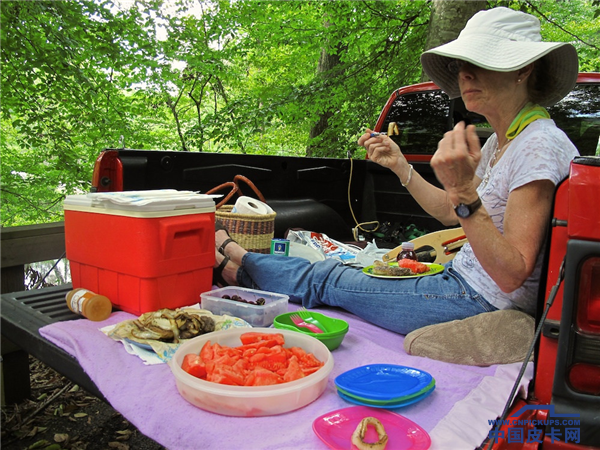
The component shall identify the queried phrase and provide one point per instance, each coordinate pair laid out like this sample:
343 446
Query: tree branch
547 19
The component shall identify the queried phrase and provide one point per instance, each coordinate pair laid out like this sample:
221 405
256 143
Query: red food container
144 250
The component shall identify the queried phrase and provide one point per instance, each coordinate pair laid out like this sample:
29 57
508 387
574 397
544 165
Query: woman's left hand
455 162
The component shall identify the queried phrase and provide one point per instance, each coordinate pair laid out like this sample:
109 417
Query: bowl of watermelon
251 372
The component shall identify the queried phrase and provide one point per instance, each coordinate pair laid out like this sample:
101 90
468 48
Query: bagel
361 430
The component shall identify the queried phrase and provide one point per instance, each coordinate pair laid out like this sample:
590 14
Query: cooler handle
197 234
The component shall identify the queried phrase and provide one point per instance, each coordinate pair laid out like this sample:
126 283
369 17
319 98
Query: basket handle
238 178
234 188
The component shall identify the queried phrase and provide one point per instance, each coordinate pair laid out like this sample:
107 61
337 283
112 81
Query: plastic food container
255 315
251 401
332 338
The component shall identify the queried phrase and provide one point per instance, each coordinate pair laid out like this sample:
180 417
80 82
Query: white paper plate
306 252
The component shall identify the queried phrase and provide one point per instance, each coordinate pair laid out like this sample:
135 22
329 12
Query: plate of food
162 331
402 269
367 428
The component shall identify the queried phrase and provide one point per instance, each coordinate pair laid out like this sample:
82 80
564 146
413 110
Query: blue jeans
400 305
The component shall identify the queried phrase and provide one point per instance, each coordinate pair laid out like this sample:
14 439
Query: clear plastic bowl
252 401
255 315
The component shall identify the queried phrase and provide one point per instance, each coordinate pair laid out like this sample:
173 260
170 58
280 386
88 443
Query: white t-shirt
540 152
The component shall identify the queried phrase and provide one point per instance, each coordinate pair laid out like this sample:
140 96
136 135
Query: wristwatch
463 211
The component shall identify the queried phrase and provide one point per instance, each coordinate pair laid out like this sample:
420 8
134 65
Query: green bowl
332 337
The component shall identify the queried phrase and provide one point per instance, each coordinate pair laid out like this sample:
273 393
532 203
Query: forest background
300 78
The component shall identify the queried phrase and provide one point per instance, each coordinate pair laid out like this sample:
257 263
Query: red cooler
144 250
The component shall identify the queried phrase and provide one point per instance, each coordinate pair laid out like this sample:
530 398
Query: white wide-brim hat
504 40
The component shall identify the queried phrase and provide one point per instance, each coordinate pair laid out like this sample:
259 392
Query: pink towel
147 395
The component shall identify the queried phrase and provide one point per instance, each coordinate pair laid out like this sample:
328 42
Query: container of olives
258 308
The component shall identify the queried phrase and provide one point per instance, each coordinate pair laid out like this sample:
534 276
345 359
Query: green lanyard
530 113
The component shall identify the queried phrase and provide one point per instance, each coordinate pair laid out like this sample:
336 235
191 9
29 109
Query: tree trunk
173 107
324 145
447 20
327 64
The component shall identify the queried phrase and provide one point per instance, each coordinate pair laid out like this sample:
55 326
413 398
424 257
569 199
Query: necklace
492 163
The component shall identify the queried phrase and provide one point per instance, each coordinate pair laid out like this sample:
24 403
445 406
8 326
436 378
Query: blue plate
385 382
370 401
400 404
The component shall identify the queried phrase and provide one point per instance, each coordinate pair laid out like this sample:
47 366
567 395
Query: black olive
260 301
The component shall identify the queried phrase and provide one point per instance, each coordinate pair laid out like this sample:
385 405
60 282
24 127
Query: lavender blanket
455 415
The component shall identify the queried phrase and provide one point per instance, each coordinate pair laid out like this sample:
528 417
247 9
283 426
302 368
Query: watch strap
463 211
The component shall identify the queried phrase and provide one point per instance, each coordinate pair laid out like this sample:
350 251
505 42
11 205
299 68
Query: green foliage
217 76
574 22
67 71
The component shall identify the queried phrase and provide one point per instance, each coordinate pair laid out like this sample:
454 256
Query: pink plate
336 427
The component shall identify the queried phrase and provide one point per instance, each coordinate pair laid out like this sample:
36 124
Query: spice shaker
90 305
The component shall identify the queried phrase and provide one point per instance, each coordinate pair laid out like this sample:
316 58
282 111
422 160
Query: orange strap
235 188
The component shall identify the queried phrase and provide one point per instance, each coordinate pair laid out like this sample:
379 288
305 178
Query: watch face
462 211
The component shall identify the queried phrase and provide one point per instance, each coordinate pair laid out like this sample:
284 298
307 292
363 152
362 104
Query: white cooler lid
143 203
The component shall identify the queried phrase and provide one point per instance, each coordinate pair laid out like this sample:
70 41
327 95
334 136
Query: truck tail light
584 374
108 172
576 387
588 309
585 378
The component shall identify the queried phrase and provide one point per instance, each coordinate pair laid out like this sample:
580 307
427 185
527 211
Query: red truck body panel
548 347
584 191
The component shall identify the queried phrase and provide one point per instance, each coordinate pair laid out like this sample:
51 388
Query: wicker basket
251 231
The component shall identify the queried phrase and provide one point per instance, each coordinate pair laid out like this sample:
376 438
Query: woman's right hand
455 162
385 152
382 150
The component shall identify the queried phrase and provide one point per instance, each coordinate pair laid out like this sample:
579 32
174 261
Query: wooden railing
28 244
20 246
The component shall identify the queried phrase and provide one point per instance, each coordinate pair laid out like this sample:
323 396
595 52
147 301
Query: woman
500 194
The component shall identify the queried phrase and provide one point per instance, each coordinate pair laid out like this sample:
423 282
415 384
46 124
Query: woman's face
487 92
